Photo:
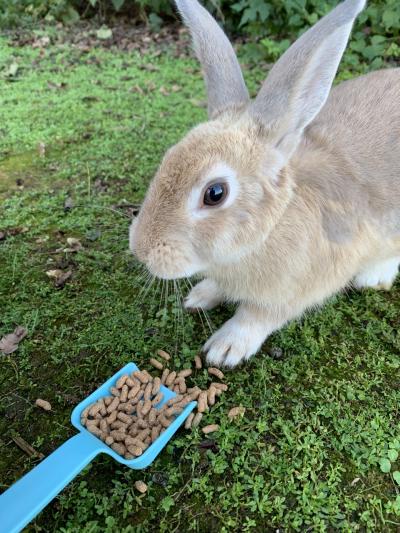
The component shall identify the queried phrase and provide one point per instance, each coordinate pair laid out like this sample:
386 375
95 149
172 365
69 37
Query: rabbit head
220 191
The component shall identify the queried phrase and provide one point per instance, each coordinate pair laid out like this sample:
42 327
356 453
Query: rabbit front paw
234 342
205 295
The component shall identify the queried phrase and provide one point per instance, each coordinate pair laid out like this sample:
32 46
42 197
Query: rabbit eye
215 194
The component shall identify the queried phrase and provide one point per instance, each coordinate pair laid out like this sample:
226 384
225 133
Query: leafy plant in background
273 23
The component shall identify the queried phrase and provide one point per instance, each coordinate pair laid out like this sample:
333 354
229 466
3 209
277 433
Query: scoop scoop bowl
28 496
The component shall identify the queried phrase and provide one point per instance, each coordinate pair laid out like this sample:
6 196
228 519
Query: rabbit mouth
165 260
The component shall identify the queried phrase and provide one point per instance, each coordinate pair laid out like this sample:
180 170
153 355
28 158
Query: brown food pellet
170 379
143 434
124 394
115 392
155 432
130 382
133 431
165 422
141 376
156 386
124 417
141 423
132 441
118 435
135 450
188 421
198 363
139 408
146 407
175 399
118 447
181 385
148 375
129 456
141 486
113 405
112 417
108 400
95 430
147 391
215 372
194 392
157 399
95 422
197 419
210 429
104 426
164 355
134 391
185 373
172 411
152 416
211 395
93 410
165 374
109 440
220 386
121 381
156 363
176 389
202 402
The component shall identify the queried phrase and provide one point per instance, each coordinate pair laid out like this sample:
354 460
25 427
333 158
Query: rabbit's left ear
299 83
224 79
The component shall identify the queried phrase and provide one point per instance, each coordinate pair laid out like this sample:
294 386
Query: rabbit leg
205 295
378 275
241 336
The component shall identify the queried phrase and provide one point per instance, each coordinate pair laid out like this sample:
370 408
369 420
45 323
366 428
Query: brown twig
25 447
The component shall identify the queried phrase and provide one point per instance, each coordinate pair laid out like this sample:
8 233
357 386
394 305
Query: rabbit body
314 189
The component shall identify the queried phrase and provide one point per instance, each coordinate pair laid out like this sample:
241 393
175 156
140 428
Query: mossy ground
319 420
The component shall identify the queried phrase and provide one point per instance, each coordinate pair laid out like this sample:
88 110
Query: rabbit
279 202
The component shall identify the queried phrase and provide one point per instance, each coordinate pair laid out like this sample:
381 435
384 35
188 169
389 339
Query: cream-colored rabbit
279 202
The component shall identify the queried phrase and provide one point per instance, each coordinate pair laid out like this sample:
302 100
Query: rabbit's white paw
234 342
205 295
379 275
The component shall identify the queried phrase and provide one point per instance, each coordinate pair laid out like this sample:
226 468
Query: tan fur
297 233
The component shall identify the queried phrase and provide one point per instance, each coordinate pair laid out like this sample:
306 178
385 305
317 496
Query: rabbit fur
313 181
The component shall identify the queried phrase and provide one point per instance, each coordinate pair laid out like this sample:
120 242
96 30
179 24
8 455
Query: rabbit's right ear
224 80
299 83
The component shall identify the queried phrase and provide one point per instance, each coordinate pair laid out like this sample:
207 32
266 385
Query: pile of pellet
129 421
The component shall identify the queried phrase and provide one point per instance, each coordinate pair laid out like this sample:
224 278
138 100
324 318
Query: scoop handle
29 495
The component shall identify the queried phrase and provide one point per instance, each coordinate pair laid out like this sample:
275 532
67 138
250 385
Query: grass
320 421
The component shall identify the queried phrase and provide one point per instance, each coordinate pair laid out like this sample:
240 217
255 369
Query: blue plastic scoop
28 496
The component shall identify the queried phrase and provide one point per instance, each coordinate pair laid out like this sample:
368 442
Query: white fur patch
380 274
220 171
205 295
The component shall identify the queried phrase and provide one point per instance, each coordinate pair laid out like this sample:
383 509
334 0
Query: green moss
316 420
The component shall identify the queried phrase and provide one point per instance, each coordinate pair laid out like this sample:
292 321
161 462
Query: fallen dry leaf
42 149
60 277
164 91
9 343
74 244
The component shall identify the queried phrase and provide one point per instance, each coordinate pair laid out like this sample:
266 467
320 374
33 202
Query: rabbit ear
298 85
222 73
